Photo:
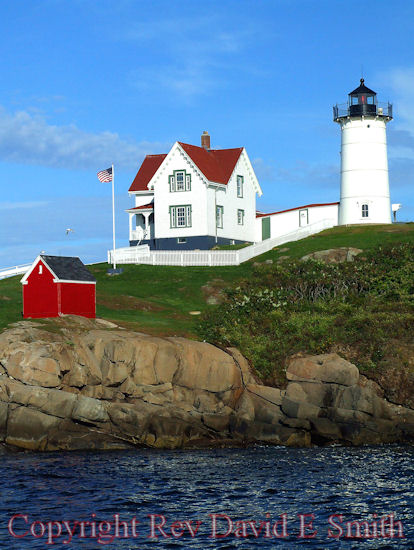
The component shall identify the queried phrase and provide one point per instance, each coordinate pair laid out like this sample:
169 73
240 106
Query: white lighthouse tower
365 190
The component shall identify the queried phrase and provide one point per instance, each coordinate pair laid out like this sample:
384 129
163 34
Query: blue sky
88 83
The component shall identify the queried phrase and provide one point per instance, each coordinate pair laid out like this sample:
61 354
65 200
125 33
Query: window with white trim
180 216
365 211
180 181
219 216
240 217
240 181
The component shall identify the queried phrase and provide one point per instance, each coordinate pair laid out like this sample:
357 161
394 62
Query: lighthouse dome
362 101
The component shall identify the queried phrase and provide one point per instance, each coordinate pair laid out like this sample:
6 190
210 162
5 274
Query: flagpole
113 217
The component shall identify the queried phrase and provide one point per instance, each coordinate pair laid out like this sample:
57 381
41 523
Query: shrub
315 308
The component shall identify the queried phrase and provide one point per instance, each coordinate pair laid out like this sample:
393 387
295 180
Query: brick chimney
205 140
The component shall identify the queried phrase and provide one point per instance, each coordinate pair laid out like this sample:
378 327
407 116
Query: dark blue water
258 485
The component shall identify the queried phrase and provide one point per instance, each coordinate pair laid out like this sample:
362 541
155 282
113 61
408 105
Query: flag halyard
105 175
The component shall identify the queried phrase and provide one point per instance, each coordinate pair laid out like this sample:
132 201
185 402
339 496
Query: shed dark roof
68 268
362 89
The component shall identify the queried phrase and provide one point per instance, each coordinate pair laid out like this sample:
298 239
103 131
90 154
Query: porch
141 223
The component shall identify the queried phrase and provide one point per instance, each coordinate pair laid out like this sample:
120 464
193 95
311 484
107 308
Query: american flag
105 175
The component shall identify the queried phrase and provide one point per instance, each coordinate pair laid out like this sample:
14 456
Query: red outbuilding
58 285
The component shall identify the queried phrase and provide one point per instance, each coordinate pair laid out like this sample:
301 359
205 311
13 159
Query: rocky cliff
74 383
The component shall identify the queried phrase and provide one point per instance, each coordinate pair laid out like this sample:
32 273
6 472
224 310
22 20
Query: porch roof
146 207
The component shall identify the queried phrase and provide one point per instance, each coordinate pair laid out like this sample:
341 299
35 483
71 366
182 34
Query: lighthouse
365 190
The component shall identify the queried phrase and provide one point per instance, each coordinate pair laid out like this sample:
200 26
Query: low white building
194 198
280 223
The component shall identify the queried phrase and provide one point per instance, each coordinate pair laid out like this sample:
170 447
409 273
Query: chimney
205 140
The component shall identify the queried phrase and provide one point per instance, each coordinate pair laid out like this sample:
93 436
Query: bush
316 308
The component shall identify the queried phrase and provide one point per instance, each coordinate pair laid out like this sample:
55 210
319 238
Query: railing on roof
212 258
380 109
15 270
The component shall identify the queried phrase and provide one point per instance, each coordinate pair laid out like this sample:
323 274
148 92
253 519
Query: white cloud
263 170
400 84
19 205
43 227
187 79
313 175
28 139
194 54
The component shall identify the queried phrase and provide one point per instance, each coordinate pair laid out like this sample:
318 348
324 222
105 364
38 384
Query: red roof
217 165
148 168
142 207
260 215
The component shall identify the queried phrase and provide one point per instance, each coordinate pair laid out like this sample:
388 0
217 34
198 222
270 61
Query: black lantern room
362 101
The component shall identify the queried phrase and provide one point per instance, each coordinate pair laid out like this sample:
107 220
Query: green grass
364 237
159 299
231 246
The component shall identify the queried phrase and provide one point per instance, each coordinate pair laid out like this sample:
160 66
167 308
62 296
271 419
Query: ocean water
200 499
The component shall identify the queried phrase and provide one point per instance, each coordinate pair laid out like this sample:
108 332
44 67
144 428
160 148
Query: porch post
130 226
146 218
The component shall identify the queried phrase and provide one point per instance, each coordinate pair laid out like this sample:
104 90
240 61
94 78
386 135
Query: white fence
130 254
15 270
143 255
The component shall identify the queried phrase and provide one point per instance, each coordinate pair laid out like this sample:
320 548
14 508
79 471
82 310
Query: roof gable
63 268
68 268
147 170
217 165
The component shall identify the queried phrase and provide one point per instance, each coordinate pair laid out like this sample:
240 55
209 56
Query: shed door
265 228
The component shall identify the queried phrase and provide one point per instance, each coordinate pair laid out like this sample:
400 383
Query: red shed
57 285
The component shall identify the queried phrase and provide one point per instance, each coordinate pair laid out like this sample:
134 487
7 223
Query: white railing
15 270
300 233
139 234
137 254
130 254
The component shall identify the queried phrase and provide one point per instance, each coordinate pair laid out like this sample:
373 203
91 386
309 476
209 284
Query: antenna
362 70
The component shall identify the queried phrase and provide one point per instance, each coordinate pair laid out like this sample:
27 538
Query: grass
364 237
159 299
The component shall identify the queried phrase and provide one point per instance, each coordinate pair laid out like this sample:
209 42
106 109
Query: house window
240 186
219 217
180 181
181 240
40 269
240 217
180 216
365 211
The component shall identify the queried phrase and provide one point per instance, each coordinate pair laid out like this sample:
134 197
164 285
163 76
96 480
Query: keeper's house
194 198
58 285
